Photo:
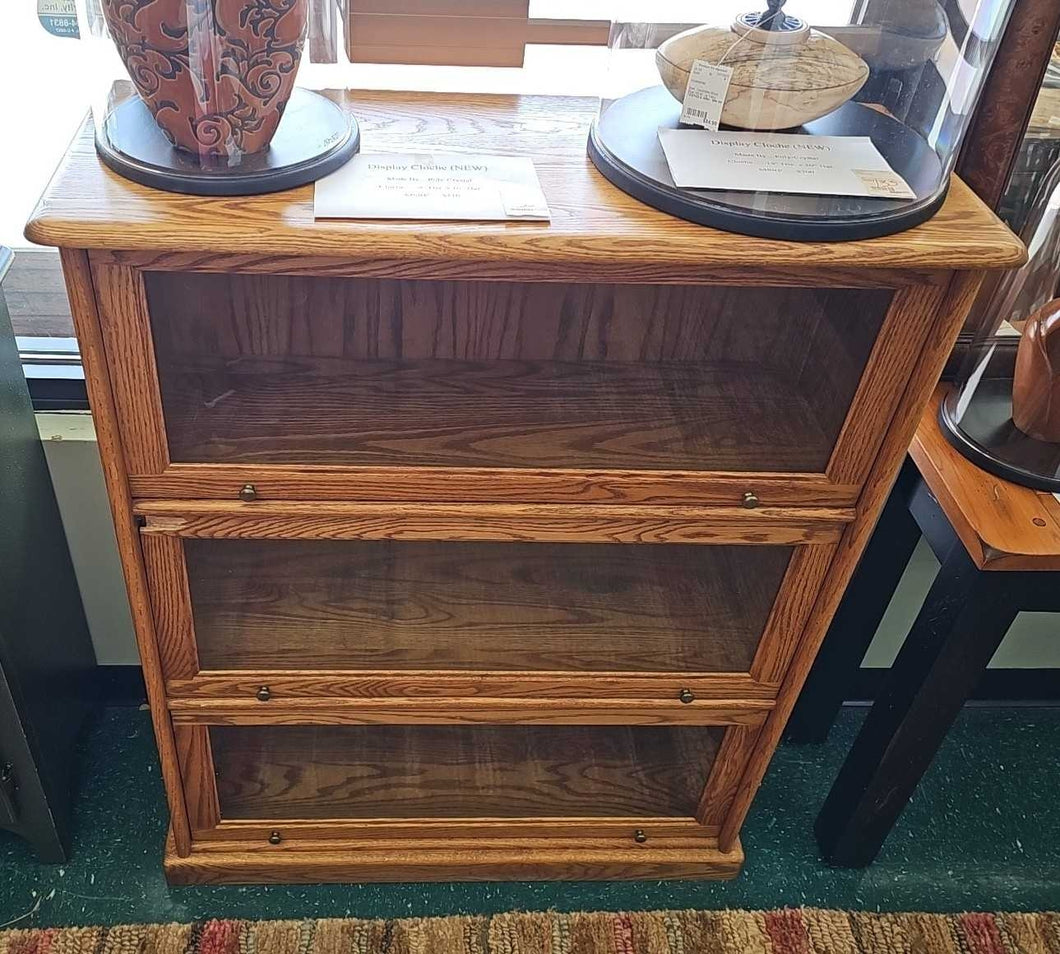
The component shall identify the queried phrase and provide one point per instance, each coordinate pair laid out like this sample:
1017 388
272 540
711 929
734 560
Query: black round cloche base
314 138
985 434
624 147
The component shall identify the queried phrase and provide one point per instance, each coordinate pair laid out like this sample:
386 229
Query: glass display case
1004 409
906 74
206 98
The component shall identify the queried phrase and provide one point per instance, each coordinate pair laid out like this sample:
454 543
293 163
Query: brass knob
686 696
639 837
275 838
248 492
750 500
264 694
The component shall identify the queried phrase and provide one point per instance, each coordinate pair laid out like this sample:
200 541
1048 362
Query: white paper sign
780 162
708 85
432 186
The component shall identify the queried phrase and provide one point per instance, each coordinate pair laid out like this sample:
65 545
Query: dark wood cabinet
46 657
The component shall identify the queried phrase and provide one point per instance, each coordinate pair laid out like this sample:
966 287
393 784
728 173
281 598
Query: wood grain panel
453 34
556 523
925 374
1002 525
79 286
438 484
288 687
126 328
477 9
799 589
763 273
664 832
197 771
439 605
171 604
725 416
460 772
241 316
994 136
287 370
594 225
885 375
446 859
736 747
584 710
837 358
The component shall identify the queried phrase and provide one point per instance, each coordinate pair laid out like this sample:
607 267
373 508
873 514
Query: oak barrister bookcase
483 550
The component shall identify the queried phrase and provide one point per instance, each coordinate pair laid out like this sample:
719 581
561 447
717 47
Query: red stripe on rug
219 937
47 938
982 933
787 932
36 942
623 931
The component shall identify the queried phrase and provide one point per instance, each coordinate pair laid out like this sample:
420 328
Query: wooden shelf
595 230
376 605
335 411
461 771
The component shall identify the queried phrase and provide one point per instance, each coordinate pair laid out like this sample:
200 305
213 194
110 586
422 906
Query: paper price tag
884 183
523 202
779 162
705 94
432 186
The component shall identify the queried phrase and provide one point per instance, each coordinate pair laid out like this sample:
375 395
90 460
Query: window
41 105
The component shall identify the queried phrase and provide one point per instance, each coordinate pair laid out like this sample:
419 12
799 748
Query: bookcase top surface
593 223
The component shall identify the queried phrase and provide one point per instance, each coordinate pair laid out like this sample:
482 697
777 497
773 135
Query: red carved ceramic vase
216 74
1036 387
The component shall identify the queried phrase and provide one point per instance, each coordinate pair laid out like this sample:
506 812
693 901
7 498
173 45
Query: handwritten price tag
708 85
884 183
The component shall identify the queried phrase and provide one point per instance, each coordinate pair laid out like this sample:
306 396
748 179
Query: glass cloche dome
903 74
1004 410
207 96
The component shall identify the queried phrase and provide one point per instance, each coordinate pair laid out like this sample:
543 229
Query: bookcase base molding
463 551
449 857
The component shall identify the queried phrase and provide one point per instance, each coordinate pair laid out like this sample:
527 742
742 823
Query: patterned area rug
794 931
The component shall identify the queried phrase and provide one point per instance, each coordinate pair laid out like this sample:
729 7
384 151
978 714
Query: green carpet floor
983 832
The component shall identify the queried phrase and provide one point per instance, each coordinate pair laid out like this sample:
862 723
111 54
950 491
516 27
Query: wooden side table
999 549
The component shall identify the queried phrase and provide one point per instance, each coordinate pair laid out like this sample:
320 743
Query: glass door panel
415 605
264 369
512 771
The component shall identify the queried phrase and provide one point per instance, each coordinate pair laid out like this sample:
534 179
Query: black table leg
965 616
859 614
